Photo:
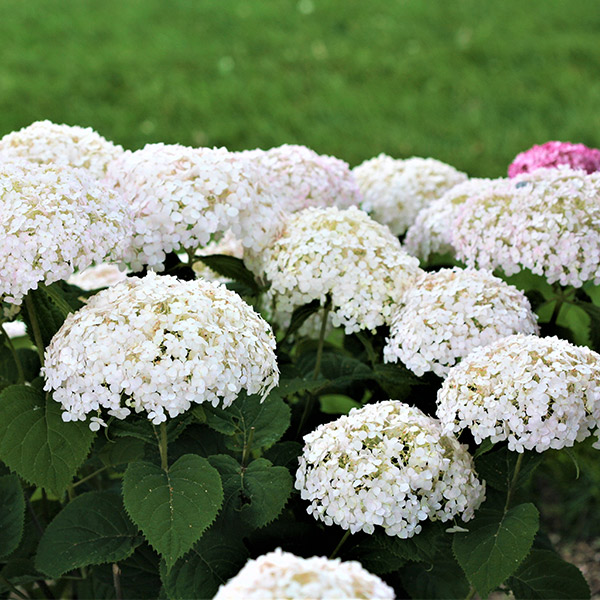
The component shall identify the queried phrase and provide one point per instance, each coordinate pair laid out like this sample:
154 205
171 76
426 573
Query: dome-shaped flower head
386 464
98 276
181 196
431 233
343 254
554 154
54 221
447 313
46 143
158 345
537 393
548 222
300 178
280 575
395 190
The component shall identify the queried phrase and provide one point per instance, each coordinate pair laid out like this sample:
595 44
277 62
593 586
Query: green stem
162 447
13 351
513 481
87 477
310 402
13 588
471 593
340 544
37 333
556 311
247 448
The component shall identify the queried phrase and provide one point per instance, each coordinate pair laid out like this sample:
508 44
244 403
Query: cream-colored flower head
182 196
343 254
98 276
449 312
280 576
300 178
431 233
547 221
536 393
158 345
386 464
47 143
54 221
395 190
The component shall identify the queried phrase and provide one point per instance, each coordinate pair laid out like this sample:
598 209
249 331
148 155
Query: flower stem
513 481
471 593
340 544
87 477
162 447
37 333
556 311
11 347
247 448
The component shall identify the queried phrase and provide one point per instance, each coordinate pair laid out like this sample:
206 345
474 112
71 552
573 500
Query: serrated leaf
396 380
497 467
173 507
269 420
593 312
342 371
232 267
254 495
121 451
92 529
296 385
47 314
214 559
374 555
300 315
36 443
12 515
284 454
544 575
495 545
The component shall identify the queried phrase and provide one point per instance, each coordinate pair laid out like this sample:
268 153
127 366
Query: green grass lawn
470 82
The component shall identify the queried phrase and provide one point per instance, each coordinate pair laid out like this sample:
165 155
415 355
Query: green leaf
232 267
284 454
300 315
485 446
269 420
593 312
92 529
495 545
545 575
213 560
173 507
121 451
374 555
30 362
19 571
256 494
441 579
497 467
295 385
337 404
48 315
35 441
12 515
396 380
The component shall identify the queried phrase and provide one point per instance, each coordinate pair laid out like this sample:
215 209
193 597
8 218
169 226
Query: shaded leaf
91 529
300 315
233 268
498 465
337 404
396 380
441 579
121 451
12 515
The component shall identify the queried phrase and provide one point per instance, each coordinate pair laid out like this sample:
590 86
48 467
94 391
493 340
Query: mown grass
469 82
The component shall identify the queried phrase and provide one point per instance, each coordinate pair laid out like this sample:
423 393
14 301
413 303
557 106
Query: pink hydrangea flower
553 154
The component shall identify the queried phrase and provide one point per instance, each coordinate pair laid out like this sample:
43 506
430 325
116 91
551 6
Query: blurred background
468 82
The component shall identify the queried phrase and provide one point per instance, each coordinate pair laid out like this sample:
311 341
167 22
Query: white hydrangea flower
181 196
279 575
395 190
98 276
54 221
431 233
46 143
547 221
387 464
227 244
447 313
300 178
158 345
343 254
536 393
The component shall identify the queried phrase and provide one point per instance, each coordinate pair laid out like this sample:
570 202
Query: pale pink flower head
553 154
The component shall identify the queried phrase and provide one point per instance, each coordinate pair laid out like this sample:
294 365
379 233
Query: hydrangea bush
221 377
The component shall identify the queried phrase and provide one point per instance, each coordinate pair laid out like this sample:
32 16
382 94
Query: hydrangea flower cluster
395 190
54 221
181 196
343 254
431 233
548 222
300 178
386 464
278 575
536 393
158 345
449 312
98 276
554 154
46 143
